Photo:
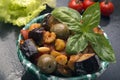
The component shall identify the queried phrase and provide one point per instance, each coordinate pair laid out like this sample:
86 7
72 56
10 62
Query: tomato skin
76 4
106 8
87 3
24 34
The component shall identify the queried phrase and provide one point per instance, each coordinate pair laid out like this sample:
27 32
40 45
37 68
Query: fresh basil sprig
83 28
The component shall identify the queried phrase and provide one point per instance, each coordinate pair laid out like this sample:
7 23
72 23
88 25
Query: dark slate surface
11 68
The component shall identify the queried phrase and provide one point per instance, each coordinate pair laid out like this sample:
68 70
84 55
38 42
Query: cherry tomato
87 3
106 7
24 34
76 4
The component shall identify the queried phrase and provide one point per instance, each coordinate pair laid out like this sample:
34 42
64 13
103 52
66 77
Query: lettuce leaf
20 12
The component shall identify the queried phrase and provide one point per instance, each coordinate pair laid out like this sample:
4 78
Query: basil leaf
68 16
91 18
75 44
101 46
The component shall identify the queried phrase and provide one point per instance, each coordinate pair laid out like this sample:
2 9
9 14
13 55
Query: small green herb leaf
101 46
76 44
91 18
68 16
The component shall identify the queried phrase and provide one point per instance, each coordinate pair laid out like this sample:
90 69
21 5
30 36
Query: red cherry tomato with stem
87 3
106 7
76 4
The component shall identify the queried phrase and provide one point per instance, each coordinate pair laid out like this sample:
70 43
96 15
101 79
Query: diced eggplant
48 21
45 22
29 48
72 60
63 70
87 64
37 35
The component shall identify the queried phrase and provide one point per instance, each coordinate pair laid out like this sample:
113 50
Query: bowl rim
35 70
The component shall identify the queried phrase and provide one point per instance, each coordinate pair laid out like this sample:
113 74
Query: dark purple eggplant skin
29 48
63 71
45 22
87 66
48 21
37 35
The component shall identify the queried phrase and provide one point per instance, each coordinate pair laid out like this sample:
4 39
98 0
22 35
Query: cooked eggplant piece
88 63
29 48
63 70
72 60
37 35
48 21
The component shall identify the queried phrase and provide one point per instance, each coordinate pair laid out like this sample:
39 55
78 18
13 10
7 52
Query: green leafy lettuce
83 26
20 12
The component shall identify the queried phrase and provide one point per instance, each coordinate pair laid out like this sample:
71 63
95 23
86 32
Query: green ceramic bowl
36 71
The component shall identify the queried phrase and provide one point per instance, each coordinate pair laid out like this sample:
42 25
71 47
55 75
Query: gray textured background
11 68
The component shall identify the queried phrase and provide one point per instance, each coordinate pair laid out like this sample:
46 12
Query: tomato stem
78 1
92 0
95 0
107 1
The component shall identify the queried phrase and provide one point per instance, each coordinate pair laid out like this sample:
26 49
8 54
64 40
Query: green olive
46 63
61 30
